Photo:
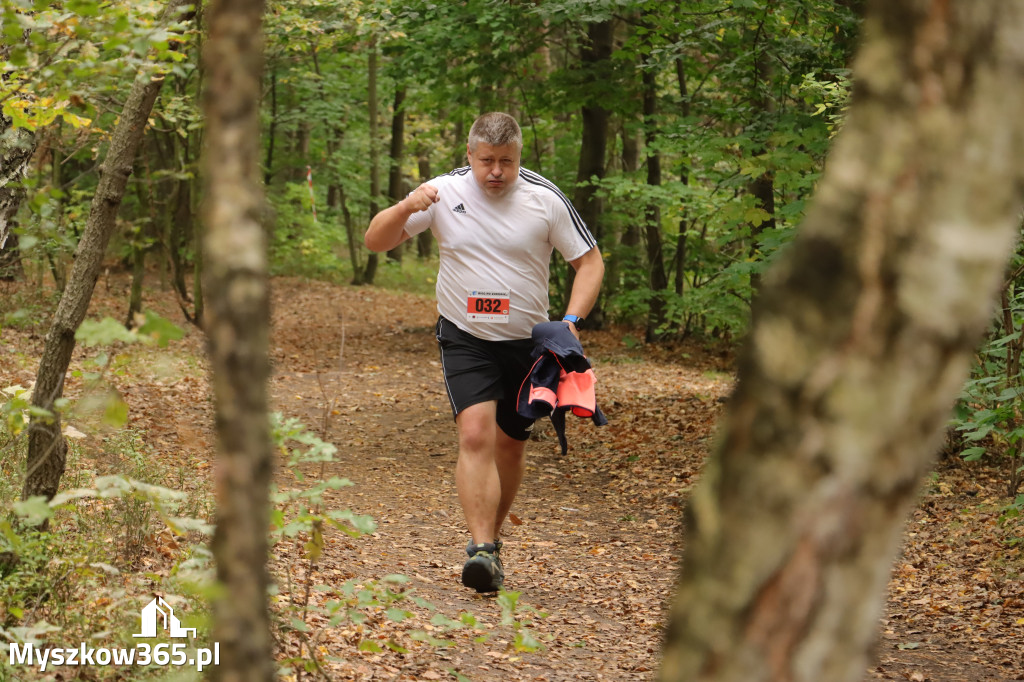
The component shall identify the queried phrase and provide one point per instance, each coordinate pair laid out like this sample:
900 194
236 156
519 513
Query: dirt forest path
595 541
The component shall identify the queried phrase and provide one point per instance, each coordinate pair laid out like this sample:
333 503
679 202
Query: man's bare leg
511 463
476 474
489 471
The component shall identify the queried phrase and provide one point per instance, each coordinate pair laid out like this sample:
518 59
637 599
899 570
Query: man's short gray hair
496 129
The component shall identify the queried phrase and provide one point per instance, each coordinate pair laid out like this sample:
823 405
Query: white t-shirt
498 249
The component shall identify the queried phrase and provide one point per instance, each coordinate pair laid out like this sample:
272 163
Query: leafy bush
68 581
301 246
990 412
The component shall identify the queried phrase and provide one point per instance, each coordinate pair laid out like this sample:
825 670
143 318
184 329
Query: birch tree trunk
47 449
237 325
862 342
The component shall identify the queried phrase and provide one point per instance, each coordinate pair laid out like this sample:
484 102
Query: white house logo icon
156 610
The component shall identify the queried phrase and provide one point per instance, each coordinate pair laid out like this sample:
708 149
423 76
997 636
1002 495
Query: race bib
491 306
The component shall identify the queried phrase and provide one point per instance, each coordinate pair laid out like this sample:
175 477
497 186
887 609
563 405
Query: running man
496 225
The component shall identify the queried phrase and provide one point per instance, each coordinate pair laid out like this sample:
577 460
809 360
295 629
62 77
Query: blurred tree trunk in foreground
862 341
237 325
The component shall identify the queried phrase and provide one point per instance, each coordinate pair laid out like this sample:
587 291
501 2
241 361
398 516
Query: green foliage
17 410
99 399
990 413
68 583
412 275
829 94
1013 510
66 69
303 246
745 92
519 617
103 332
301 510
300 516
64 58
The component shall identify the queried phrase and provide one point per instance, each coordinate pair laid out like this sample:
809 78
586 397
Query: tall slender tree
396 179
762 105
424 240
47 449
595 58
373 75
652 211
238 323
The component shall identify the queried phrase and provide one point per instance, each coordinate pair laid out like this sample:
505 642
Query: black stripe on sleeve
577 221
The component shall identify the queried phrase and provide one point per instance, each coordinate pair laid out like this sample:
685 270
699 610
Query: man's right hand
421 198
387 228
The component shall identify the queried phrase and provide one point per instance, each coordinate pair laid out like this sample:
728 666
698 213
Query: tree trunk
625 239
593 146
652 212
138 254
370 271
138 277
268 173
237 325
181 231
46 446
350 233
11 267
862 342
762 188
459 143
336 200
198 297
684 178
424 240
396 183
630 165
301 137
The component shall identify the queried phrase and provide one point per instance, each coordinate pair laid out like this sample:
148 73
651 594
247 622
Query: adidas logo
460 209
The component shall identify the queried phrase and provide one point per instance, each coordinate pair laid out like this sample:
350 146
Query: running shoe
483 571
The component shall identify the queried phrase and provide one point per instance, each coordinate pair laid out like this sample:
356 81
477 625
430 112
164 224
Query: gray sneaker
483 570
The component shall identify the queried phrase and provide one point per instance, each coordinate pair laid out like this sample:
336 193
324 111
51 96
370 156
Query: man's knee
477 429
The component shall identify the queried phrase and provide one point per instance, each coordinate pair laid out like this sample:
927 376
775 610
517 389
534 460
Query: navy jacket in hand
561 380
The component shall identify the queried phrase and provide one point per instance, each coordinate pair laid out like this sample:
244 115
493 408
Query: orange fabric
576 389
543 394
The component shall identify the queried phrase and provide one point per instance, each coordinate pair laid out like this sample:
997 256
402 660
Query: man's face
495 168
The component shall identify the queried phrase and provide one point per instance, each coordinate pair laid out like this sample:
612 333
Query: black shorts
476 371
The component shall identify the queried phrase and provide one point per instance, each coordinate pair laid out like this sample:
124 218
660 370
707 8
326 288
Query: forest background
689 136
